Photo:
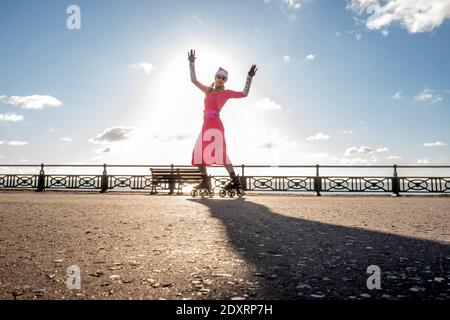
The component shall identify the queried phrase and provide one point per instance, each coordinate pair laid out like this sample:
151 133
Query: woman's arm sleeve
244 93
248 83
235 94
194 78
192 70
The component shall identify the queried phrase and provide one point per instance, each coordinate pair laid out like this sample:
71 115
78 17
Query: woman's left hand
252 71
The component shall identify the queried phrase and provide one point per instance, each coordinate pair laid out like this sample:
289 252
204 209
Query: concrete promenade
137 246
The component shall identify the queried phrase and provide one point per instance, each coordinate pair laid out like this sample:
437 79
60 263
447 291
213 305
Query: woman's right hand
191 56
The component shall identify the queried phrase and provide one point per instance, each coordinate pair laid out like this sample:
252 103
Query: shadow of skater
296 258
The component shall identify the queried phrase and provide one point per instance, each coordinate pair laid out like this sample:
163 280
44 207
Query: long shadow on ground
297 258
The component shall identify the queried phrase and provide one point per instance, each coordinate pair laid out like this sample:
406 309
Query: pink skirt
210 147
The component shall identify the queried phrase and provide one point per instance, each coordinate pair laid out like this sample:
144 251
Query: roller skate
204 189
232 188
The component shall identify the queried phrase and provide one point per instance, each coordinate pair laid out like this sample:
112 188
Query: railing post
395 183
242 177
41 180
104 180
317 182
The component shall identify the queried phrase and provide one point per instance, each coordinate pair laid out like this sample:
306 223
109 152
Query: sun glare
173 119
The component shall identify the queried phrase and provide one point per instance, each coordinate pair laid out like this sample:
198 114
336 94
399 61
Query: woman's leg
202 169
234 183
230 170
206 181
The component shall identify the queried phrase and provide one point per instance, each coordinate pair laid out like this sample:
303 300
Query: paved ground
261 247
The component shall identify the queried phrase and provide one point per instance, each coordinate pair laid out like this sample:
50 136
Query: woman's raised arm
248 82
191 58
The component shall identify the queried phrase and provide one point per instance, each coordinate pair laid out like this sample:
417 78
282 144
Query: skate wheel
231 193
240 193
206 193
194 193
222 193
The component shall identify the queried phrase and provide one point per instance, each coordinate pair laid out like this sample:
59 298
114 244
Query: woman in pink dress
210 147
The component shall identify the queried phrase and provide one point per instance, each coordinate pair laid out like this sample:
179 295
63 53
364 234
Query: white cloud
355 150
374 159
348 131
34 101
17 143
11 117
338 34
286 59
290 8
364 149
428 95
2 98
382 150
414 15
267 104
66 139
319 136
112 134
173 137
103 150
354 161
358 36
310 57
397 95
350 151
435 144
423 161
394 157
293 4
23 160
146 67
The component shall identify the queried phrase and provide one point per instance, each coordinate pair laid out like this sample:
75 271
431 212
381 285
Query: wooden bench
174 177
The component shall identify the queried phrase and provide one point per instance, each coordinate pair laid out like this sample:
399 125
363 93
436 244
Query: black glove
191 56
252 71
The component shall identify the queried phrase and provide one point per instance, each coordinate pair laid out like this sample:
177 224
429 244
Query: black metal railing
315 183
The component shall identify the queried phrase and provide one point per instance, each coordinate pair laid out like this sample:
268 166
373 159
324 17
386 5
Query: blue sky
335 84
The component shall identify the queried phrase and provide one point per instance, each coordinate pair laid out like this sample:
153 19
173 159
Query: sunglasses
221 77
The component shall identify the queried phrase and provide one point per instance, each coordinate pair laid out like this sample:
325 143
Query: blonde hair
213 87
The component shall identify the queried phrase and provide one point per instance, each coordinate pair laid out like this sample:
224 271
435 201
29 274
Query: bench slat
174 171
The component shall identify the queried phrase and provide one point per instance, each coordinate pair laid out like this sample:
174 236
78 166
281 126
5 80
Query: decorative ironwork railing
317 183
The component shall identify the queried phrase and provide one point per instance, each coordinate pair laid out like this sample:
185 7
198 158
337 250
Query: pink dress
210 147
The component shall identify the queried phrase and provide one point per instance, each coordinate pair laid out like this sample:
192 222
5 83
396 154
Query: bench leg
153 190
171 187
